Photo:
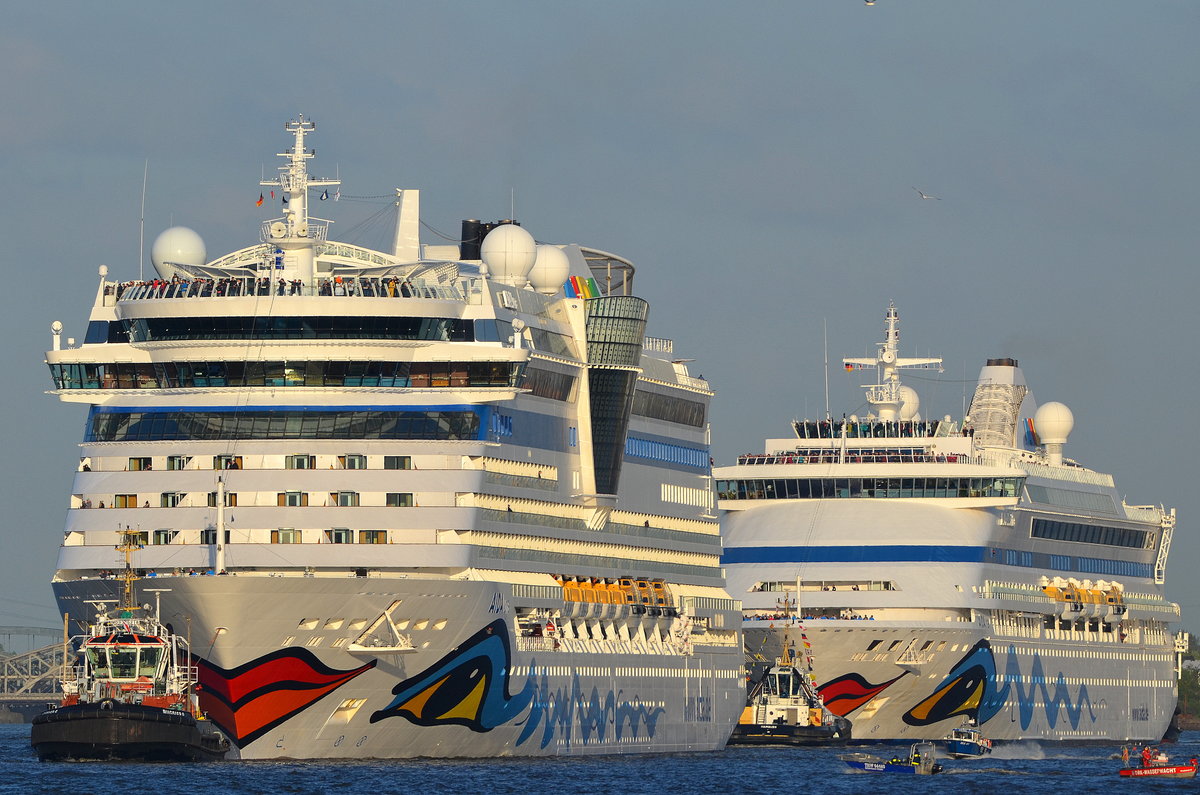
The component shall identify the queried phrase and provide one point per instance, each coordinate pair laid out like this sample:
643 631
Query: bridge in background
30 681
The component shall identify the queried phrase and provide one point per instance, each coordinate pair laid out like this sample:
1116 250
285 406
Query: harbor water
1013 768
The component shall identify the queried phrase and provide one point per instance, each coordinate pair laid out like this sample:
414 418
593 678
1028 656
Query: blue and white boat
966 741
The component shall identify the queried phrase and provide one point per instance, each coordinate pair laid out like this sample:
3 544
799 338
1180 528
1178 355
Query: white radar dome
550 269
1053 423
910 402
177 246
509 253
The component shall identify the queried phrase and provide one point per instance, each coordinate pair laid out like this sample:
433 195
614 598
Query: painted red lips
250 700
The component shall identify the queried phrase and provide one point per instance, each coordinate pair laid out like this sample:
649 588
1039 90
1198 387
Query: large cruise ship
443 501
936 571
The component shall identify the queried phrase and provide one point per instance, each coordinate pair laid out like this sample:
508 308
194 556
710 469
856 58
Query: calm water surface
1014 768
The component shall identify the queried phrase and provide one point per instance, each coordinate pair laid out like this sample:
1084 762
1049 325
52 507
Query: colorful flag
285 200
337 195
325 194
272 194
260 201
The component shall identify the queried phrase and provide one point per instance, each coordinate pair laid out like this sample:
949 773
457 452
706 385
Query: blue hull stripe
875 554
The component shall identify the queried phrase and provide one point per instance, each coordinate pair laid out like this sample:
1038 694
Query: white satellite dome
1053 423
910 402
509 253
550 269
177 246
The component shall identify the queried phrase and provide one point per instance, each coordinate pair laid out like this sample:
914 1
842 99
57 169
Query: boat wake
1025 749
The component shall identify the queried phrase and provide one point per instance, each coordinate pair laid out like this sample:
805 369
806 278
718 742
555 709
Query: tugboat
967 741
132 695
785 709
921 761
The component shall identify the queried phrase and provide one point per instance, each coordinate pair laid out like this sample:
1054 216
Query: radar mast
295 234
885 397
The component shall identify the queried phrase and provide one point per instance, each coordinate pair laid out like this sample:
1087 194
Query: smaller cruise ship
945 569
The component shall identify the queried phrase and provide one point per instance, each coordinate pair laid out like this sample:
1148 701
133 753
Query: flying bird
924 195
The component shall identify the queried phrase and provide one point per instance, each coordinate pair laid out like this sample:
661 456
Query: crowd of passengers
889 429
835 457
201 287
848 615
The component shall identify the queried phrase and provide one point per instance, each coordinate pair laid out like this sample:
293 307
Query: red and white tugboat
132 694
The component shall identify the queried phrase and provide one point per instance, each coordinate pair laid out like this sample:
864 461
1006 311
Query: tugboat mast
129 542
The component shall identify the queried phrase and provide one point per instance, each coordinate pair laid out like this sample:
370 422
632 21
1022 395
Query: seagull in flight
924 195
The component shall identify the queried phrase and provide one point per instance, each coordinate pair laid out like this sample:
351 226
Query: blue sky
757 162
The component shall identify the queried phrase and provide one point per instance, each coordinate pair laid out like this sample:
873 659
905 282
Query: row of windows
1089 534
664 407
177 463
669 453
122 426
186 375
292 499
265 327
824 488
1069 563
284 535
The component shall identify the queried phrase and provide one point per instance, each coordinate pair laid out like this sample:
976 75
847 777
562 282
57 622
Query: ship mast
885 397
294 236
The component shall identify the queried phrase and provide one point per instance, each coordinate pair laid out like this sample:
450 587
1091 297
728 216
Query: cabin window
345 499
178 462
98 659
230 499
124 662
372 536
300 462
285 535
397 462
139 464
399 499
170 499
125 501
227 462
209 536
353 461
292 499
341 535
148 664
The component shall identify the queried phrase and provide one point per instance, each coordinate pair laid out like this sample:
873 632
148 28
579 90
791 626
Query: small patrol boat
1154 764
785 709
132 694
966 741
921 761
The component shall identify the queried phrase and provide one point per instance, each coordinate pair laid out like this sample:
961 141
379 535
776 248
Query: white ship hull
1023 688
278 678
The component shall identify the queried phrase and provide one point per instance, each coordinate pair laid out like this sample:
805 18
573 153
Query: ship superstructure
941 569
430 501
